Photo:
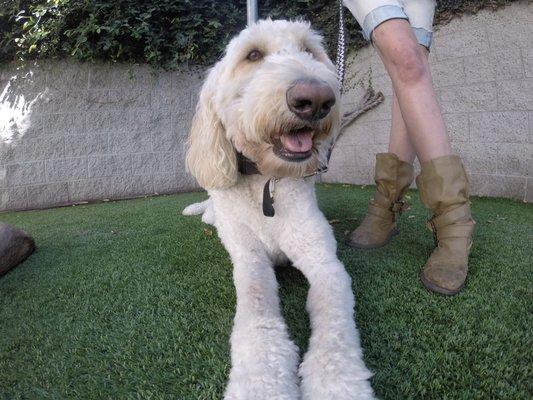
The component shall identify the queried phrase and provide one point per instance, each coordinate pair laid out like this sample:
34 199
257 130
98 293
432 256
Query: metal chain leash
340 48
340 75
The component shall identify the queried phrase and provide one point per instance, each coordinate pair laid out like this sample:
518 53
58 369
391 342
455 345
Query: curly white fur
242 105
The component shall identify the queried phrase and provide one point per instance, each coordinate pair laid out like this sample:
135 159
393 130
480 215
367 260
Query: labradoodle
266 116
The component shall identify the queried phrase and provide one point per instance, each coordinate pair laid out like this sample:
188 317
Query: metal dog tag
268 198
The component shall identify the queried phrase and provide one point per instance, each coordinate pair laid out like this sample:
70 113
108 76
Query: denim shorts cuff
380 15
423 36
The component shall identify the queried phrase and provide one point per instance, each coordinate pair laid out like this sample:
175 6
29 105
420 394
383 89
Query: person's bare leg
393 175
443 182
408 67
399 141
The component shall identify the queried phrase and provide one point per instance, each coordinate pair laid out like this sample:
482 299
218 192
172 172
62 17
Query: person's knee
409 64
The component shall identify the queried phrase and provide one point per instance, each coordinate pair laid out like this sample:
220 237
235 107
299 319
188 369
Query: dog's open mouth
295 145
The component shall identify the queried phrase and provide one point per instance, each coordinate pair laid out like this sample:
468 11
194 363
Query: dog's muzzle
310 99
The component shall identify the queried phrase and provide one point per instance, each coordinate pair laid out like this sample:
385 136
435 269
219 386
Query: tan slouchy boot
392 177
443 187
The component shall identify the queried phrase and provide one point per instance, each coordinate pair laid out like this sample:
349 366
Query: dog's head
273 97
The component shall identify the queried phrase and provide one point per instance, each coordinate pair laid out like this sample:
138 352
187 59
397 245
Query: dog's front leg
264 359
333 367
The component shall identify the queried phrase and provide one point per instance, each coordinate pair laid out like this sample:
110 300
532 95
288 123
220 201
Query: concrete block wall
72 132
482 68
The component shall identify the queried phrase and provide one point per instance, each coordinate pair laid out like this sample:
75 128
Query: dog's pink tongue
298 142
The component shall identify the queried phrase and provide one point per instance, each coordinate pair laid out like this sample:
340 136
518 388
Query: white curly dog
273 100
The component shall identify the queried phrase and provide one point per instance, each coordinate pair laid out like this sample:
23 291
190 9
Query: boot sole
393 233
437 289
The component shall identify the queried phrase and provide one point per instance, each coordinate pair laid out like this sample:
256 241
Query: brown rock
15 246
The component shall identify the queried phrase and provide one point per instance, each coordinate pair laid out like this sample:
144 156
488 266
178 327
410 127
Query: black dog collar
248 167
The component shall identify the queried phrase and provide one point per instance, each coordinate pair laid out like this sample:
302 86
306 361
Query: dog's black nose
310 99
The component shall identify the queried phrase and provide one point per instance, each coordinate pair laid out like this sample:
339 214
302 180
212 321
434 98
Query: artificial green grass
133 300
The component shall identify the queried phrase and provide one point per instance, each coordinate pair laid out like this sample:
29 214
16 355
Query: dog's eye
254 55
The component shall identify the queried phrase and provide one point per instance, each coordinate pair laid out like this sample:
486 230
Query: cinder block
513 158
63 124
352 95
59 72
377 67
478 157
166 183
364 176
160 80
118 99
161 99
518 34
65 169
129 142
44 102
500 127
516 94
11 152
340 173
23 173
458 127
109 165
174 182
17 123
153 163
88 189
492 66
156 120
529 191
381 83
63 101
24 78
530 118
85 145
365 156
13 198
527 56
362 133
44 148
186 79
186 103
173 138
50 194
462 43
511 13
342 155
358 75
448 73
508 64
497 186
164 141
380 131
476 97
105 121
129 186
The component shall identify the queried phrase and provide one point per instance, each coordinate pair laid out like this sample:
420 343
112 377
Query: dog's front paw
333 375
264 363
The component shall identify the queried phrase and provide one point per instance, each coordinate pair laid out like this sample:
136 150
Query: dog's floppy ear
211 158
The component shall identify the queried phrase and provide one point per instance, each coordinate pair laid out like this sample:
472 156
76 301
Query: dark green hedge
163 33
